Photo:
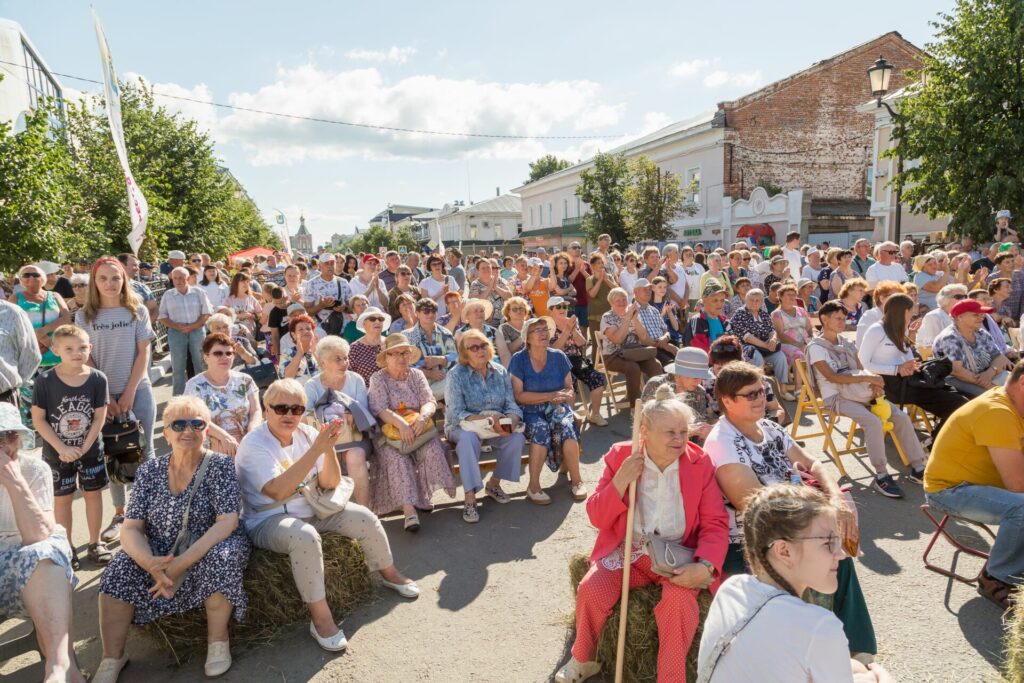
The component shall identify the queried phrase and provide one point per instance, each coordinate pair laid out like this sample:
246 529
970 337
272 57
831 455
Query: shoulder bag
666 556
729 637
263 374
409 415
123 449
185 537
335 322
859 392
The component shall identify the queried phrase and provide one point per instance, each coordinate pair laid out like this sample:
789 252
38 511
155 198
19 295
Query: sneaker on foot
540 498
497 494
888 487
916 476
470 514
596 419
113 530
577 672
579 491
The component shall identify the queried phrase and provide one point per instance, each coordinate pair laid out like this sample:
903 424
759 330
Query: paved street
496 597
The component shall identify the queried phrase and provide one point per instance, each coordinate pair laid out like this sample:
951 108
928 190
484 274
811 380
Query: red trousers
677 615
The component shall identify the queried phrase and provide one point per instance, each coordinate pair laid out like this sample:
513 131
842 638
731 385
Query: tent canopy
250 253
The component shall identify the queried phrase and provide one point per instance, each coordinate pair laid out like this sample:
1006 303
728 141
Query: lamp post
878 75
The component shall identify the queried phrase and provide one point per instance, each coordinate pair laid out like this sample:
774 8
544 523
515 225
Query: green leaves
370 241
965 120
546 165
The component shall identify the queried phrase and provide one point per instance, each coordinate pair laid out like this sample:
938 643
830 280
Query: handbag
666 556
186 537
324 502
123 449
388 436
263 374
932 375
581 363
335 322
860 392
489 428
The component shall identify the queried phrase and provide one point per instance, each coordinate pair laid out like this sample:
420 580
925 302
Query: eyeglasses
285 409
959 297
31 275
79 285
473 348
197 260
428 311
374 319
746 259
835 541
752 395
560 307
195 424
222 354
576 248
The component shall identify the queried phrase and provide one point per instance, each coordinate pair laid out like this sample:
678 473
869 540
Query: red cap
370 257
969 306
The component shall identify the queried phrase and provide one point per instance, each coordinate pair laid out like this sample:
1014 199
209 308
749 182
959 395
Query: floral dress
228 404
744 322
794 326
219 571
397 479
362 358
582 368
547 424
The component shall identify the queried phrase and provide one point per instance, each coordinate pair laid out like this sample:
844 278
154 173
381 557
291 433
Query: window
40 84
499 231
692 176
532 221
472 231
869 189
565 209
551 214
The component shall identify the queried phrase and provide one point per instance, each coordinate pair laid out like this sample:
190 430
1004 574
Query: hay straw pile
1015 644
274 602
641 655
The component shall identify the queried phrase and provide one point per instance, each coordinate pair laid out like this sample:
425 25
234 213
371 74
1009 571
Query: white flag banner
440 244
282 230
138 209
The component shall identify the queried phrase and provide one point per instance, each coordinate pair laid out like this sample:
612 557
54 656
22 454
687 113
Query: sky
593 73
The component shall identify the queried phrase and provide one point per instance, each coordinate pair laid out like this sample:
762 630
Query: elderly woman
978 363
363 352
332 357
842 272
405 307
489 287
475 315
621 348
851 296
715 272
778 271
749 453
273 461
938 319
79 283
509 336
572 342
35 556
155 574
46 310
761 344
219 323
543 386
356 305
436 345
298 362
480 391
231 396
929 279
676 498
400 396
792 327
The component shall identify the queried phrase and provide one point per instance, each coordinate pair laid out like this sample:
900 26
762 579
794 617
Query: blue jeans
144 408
181 345
467 448
777 360
991 505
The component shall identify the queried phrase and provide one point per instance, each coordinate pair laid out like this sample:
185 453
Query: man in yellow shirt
976 471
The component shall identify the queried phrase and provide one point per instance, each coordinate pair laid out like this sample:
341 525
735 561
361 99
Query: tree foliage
546 165
62 190
603 188
372 240
964 120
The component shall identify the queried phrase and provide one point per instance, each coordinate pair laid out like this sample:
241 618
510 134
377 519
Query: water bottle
794 476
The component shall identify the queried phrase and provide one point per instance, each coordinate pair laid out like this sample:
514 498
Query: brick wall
813 110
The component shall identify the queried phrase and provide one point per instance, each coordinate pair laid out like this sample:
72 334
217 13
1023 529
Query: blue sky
612 70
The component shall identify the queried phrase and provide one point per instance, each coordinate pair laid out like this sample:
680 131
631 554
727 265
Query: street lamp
878 76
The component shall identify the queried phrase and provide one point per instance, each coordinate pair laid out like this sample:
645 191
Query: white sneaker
576 672
579 491
109 669
540 498
335 643
218 659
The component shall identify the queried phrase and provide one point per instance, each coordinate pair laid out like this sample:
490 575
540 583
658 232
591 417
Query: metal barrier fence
158 287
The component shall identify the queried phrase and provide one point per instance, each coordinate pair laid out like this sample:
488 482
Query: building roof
302 226
506 203
427 215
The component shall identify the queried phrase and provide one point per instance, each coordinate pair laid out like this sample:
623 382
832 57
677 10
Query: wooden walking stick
627 550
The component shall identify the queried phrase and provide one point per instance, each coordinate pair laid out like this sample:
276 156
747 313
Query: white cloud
340 183
690 68
397 55
718 78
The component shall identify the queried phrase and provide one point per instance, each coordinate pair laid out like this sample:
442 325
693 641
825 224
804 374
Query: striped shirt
115 336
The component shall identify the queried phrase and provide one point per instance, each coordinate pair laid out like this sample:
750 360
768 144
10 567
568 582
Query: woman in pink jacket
676 497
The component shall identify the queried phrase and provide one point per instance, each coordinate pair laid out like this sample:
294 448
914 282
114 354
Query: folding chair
920 417
941 530
600 366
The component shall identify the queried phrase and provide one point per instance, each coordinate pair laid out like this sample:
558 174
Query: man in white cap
687 373
175 259
1003 229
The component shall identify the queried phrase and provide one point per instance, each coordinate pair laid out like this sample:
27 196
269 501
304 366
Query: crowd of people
371 375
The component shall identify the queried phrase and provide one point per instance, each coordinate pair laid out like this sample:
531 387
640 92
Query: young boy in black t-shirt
69 407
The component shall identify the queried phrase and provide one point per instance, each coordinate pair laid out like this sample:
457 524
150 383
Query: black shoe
76 564
888 487
916 476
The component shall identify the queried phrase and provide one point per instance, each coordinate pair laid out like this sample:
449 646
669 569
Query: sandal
1000 593
76 564
412 523
98 553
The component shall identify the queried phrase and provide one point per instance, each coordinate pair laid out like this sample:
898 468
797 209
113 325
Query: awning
250 252
756 230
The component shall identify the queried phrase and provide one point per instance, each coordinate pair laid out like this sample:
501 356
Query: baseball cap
969 306
370 257
642 282
295 308
144 265
712 287
176 254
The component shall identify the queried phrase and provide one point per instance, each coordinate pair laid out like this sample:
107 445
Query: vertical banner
282 230
440 244
138 209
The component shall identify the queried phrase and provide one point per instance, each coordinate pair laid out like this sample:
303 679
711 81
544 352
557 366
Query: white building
26 78
493 224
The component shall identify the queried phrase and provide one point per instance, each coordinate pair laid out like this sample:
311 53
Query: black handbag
932 375
580 363
123 449
263 374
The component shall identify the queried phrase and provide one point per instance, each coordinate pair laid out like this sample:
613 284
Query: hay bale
641 655
274 602
1014 666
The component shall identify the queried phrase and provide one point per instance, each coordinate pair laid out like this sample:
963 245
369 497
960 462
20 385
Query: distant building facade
302 240
27 80
491 225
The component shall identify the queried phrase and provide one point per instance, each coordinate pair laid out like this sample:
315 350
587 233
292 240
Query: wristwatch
711 567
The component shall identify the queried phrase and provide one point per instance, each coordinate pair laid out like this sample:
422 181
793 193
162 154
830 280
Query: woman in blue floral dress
145 580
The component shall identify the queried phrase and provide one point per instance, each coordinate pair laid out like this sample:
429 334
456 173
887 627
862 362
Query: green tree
603 188
654 198
370 241
964 123
546 165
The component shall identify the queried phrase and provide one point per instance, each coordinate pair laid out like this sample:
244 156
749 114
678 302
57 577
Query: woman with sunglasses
35 556
727 349
363 352
273 461
749 453
148 579
46 310
571 341
480 390
231 396
399 395
792 543
80 284
118 325
509 336
938 319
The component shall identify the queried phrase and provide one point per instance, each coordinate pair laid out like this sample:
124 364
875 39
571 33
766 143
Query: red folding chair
940 530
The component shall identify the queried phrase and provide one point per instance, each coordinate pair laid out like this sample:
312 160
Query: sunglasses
197 260
890 252
195 424
374 319
560 307
752 395
222 354
476 347
428 311
284 409
959 297
31 275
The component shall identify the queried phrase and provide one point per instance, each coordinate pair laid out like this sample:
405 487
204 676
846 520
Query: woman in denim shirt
436 345
477 389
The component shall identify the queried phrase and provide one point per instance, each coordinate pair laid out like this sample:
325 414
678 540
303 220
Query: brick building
801 139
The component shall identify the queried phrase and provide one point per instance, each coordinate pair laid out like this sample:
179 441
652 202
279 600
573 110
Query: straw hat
487 306
396 341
